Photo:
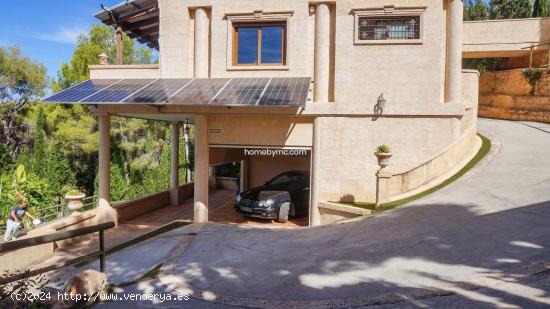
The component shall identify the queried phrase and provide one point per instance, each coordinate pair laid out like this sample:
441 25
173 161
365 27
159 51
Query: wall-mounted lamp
381 102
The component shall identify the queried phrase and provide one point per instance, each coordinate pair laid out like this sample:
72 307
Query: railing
40 240
50 213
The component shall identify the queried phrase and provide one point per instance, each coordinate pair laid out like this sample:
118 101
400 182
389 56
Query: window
393 28
259 44
389 25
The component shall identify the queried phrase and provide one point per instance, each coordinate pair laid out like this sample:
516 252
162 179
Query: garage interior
232 171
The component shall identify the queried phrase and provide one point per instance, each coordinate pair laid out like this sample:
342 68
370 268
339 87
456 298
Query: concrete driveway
488 230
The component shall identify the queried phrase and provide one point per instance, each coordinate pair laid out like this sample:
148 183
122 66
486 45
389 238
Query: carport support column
322 52
201 43
174 162
104 211
315 216
201 169
454 51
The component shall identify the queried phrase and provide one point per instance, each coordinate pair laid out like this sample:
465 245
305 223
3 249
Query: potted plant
74 200
383 153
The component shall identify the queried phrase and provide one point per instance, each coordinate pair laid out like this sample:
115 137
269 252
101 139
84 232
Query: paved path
489 224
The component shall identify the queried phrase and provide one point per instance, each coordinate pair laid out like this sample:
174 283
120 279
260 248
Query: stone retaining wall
506 95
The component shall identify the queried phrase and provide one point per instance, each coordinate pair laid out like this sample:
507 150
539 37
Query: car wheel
283 212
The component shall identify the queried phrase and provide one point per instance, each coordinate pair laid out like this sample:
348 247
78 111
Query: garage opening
271 186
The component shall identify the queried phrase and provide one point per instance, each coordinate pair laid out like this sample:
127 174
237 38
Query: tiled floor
220 210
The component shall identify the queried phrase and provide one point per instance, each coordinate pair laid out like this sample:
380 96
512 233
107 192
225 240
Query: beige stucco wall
348 164
177 44
470 95
406 74
504 38
415 123
260 130
132 71
23 259
263 168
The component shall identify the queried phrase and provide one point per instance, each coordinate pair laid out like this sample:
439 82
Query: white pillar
201 43
174 162
315 216
201 169
104 212
454 51
322 52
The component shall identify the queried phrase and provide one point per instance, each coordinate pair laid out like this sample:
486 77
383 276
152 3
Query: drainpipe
454 51
322 52
201 43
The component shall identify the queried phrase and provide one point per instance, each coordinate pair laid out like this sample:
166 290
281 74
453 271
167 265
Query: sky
46 30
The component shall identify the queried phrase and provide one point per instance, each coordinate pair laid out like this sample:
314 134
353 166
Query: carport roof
138 18
287 91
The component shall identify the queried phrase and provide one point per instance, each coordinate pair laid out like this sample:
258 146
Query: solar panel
199 91
286 91
81 91
241 91
117 92
206 91
158 92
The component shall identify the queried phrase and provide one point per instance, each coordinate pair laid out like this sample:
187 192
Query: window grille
389 28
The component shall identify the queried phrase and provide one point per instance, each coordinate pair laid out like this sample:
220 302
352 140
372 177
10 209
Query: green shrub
383 149
532 76
74 192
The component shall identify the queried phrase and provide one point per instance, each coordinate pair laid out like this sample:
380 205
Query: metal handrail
61 209
44 239
61 212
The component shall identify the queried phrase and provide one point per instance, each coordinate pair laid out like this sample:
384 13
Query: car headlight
238 199
266 203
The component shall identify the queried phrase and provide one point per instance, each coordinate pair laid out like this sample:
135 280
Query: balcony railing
52 213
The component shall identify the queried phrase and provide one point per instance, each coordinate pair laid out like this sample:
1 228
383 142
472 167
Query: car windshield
286 178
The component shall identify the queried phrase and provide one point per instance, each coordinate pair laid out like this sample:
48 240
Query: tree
540 8
5 159
22 81
57 169
76 127
37 163
506 9
477 11
100 39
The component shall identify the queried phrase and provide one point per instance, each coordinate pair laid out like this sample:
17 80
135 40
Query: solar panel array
292 91
200 91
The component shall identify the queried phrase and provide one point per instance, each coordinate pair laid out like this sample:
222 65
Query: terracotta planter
383 158
74 203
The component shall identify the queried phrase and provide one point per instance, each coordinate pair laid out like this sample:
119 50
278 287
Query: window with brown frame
261 44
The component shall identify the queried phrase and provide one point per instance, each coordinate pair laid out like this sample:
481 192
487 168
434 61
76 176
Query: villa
333 79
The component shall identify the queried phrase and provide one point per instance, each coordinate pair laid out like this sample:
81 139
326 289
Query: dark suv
284 196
